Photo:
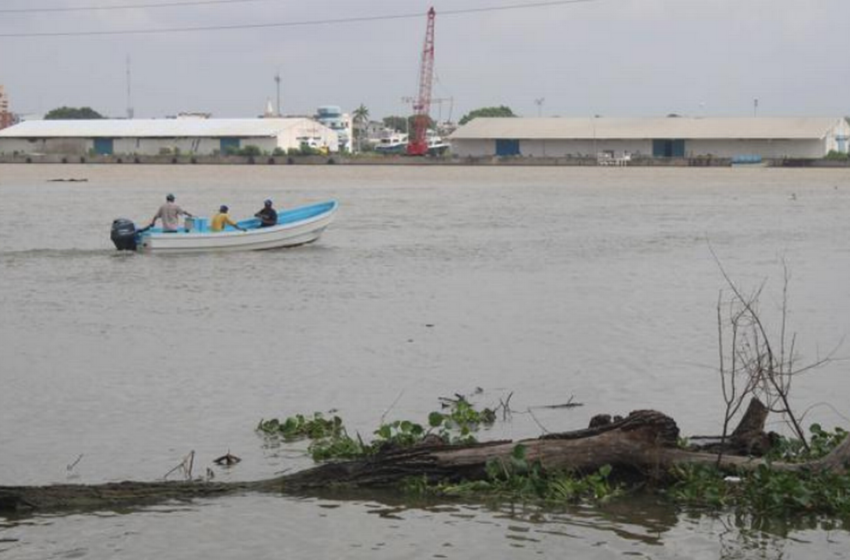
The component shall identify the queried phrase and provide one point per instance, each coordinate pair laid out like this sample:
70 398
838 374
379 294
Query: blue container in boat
195 224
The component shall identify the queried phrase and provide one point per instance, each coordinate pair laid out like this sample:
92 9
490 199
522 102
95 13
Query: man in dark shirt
268 215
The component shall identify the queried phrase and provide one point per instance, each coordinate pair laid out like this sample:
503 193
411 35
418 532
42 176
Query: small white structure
163 136
766 137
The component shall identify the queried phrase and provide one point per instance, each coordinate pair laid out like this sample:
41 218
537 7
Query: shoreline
60 159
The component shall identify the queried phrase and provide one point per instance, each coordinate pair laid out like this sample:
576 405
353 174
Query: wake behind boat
294 227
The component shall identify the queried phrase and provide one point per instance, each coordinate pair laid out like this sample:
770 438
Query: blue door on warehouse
507 147
230 144
103 146
668 148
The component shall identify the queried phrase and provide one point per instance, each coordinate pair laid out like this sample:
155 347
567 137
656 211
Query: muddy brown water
550 284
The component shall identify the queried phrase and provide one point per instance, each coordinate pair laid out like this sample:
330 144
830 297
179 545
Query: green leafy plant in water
821 443
340 446
401 433
303 427
514 477
769 491
699 484
330 440
595 486
416 486
517 478
454 427
458 424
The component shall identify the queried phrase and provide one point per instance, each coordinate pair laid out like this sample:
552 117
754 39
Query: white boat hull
289 232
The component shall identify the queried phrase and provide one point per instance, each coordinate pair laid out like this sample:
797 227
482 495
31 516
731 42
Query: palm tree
361 117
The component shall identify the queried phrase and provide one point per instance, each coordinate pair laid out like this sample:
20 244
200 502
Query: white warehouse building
156 136
766 137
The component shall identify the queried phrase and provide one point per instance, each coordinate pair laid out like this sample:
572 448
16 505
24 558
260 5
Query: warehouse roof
153 128
603 128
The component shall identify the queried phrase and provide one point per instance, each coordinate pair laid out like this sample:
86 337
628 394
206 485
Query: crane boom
418 143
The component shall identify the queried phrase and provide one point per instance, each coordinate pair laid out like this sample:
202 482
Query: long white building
157 136
767 137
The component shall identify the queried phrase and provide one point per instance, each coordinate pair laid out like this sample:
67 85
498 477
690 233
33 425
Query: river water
548 285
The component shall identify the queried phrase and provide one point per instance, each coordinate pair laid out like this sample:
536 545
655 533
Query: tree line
360 116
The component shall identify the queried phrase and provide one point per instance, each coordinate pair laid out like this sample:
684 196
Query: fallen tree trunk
749 438
644 442
112 495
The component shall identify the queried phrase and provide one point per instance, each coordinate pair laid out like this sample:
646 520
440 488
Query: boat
297 226
436 145
747 160
392 143
397 144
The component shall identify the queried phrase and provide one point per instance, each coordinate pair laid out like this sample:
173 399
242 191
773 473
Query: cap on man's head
223 208
268 202
170 198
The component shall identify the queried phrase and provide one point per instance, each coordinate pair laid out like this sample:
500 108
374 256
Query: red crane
417 144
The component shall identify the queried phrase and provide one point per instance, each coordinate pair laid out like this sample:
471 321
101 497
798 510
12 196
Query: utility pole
595 152
129 91
439 101
755 107
539 102
277 81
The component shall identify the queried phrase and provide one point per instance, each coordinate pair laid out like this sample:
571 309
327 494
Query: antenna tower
418 142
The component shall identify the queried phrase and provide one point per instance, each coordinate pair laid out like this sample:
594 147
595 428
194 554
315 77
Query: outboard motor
124 234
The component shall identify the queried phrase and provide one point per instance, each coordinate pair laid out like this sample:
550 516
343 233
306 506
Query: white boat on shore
396 144
437 146
392 143
297 226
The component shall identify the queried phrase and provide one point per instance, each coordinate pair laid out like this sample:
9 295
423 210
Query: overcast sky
607 57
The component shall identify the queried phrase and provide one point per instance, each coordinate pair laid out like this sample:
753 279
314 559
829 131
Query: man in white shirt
170 214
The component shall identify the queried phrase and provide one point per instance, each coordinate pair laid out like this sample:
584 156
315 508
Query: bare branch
752 355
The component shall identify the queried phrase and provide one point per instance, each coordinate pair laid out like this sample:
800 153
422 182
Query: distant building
193 135
764 137
332 117
6 117
374 129
193 115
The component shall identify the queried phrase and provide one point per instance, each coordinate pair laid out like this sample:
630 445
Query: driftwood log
749 438
645 442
